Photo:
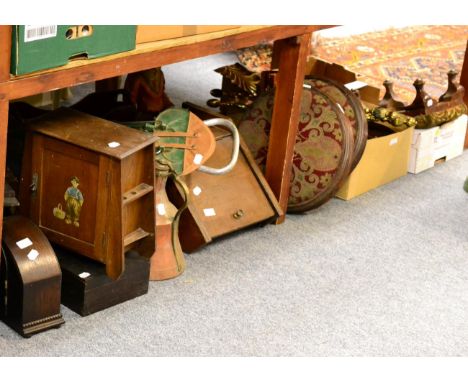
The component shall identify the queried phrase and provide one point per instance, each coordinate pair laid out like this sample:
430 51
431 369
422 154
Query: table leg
3 140
464 82
290 55
5 49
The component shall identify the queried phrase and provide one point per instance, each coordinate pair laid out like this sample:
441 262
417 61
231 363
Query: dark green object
465 186
29 54
170 120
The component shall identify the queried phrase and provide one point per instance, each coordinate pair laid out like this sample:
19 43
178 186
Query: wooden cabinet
89 185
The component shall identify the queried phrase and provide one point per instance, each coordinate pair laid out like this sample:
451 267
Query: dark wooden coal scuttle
86 289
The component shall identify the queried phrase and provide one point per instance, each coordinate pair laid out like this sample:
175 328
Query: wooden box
86 289
30 279
221 204
89 185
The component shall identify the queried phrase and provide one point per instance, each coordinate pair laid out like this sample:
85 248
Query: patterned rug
256 59
400 55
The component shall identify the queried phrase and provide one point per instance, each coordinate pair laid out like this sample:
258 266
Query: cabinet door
65 204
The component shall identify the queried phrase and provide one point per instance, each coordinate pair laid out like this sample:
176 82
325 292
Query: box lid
319 67
92 133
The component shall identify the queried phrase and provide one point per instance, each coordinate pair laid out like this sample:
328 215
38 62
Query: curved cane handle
235 146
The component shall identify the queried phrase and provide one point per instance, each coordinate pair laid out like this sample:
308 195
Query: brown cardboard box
384 160
148 33
316 66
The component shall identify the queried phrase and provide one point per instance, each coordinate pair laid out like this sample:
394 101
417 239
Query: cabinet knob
238 214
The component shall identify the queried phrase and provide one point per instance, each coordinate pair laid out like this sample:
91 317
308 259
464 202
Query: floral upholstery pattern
323 151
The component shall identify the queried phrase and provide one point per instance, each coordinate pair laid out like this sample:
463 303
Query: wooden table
290 50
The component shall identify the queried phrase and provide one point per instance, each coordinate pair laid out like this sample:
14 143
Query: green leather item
185 142
170 120
173 120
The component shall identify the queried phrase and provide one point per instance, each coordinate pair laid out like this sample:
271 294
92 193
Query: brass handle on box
238 214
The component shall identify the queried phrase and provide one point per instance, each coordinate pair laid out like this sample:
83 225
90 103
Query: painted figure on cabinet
73 203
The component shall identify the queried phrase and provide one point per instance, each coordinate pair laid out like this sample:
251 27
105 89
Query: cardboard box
437 143
38 47
351 80
149 33
384 160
